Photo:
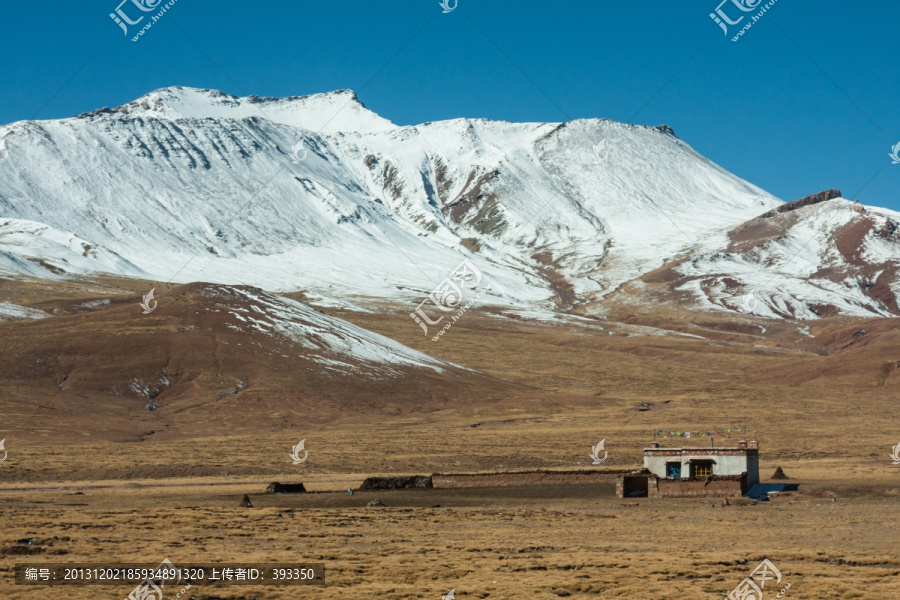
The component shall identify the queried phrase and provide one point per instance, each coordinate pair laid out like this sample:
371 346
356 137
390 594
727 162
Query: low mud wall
473 480
715 487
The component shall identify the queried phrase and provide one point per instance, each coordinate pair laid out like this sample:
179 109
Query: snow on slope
10 312
331 342
602 224
198 185
831 257
333 112
39 250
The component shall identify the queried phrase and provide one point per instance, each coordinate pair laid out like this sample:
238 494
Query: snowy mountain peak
331 112
319 193
556 214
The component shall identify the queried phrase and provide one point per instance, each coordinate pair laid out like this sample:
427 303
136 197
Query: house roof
699 451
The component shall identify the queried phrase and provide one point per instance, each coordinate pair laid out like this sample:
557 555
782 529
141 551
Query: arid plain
97 477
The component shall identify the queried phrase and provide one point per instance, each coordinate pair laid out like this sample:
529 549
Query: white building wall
729 464
723 464
657 464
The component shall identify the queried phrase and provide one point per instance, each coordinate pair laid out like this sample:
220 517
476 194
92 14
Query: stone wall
400 482
712 487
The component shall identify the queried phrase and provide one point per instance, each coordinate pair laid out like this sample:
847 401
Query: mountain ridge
186 184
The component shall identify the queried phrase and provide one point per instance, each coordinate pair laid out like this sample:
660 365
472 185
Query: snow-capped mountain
818 256
321 194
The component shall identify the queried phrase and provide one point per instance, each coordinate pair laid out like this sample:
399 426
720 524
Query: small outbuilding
285 488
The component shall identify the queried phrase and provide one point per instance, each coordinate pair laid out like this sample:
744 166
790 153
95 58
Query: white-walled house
701 463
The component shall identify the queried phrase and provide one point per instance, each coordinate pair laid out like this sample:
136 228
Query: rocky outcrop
806 201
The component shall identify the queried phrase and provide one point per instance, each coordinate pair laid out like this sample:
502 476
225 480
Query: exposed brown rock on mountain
805 201
759 228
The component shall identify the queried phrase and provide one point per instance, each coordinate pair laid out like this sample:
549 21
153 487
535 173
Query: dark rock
245 502
666 129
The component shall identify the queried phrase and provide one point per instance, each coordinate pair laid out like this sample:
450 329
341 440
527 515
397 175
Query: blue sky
807 99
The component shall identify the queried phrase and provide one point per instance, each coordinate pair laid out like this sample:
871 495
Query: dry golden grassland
828 419
485 543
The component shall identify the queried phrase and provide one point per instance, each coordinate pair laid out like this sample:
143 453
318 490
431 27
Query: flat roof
701 450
